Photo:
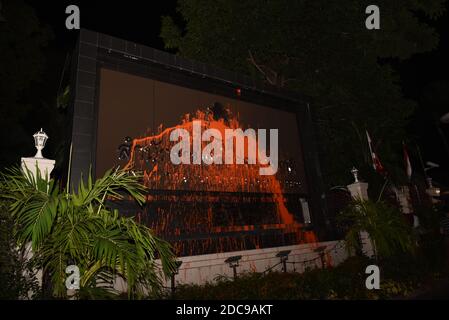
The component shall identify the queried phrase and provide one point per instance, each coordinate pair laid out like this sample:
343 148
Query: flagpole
422 162
377 165
424 170
370 148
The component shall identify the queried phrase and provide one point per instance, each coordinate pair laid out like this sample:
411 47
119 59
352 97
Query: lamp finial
355 173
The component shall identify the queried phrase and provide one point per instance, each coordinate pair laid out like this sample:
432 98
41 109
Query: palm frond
78 228
383 223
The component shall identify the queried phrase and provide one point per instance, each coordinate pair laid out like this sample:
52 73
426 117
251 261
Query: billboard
148 115
137 114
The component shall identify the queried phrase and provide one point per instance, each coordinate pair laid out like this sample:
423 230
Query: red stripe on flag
408 166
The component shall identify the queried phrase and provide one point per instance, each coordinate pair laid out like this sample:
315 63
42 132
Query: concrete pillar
359 190
44 166
305 211
403 196
31 166
433 191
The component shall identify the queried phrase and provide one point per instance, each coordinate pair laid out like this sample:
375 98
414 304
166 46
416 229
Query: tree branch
260 68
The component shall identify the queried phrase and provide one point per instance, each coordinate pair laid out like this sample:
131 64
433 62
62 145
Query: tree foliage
387 230
22 63
78 228
323 50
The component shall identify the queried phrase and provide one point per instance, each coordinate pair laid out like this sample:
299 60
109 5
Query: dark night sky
139 21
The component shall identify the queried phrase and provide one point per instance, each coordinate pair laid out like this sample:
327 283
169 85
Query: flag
377 165
408 166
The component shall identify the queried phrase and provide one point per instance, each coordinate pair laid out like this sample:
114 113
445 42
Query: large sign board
131 102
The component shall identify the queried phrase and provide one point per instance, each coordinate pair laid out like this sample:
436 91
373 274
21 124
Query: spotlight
283 255
178 264
233 263
320 251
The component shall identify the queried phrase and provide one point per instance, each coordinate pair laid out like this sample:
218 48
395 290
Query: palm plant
78 228
389 233
17 277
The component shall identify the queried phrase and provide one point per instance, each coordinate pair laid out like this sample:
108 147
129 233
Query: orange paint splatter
204 186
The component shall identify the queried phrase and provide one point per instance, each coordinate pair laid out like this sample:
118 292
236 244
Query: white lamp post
359 191
38 162
30 167
40 138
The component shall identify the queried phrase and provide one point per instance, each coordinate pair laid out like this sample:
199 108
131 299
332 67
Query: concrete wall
205 268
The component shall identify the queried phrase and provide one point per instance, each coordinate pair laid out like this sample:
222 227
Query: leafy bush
385 225
346 281
78 228
430 238
17 278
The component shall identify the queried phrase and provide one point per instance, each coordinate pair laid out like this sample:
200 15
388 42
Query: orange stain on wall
151 155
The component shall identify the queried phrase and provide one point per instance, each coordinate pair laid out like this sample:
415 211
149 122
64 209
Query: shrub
79 228
390 234
17 279
346 281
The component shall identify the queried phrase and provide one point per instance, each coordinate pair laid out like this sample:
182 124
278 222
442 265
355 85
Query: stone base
359 190
45 166
367 244
205 268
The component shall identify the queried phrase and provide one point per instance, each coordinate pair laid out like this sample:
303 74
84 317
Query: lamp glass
40 138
